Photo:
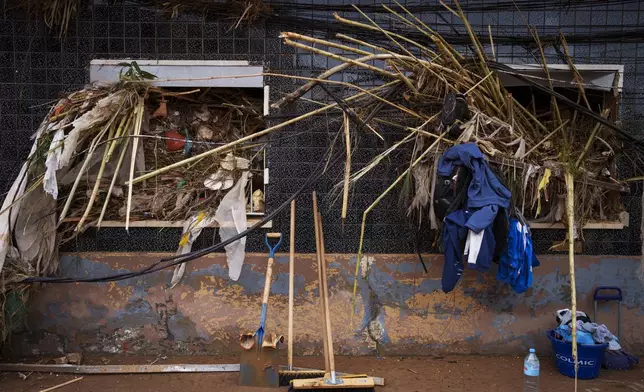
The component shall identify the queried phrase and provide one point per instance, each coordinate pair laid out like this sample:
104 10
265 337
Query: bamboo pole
436 37
489 30
122 129
578 78
544 65
545 138
371 207
347 168
135 144
99 176
570 207
368 27
363 43
301 37
255 135
337 57
84 167
303 89
119 163
593 134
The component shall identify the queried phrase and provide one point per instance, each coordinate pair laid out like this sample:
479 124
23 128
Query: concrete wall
398 305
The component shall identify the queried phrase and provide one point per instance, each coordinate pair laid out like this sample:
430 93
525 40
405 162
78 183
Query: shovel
259 358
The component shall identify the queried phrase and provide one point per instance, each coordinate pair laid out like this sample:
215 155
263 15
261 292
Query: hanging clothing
500 228
479 248
470 229
485 192
518 259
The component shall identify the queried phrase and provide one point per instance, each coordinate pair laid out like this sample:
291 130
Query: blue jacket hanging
518 258
485 193
455 233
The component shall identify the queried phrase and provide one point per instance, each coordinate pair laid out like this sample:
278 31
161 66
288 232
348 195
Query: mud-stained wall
398 306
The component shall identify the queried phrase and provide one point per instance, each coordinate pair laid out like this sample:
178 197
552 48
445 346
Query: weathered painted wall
409 313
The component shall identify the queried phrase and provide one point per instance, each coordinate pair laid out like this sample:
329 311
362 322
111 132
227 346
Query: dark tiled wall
36 66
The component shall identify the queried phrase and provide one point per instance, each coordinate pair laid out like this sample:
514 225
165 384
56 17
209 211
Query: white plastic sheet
52 163
191 230
104 109
231 217
9 216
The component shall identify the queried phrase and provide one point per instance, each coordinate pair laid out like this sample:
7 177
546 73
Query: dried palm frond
518 138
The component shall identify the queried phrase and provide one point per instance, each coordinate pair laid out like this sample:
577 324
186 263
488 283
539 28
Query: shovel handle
267 282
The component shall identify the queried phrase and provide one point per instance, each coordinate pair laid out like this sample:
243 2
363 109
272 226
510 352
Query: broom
330 380
289 374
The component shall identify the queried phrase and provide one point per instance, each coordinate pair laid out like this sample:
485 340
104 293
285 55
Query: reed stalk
371 207
347 168
140 108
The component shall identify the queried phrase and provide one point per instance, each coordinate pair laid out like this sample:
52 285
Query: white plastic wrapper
10 215
104 109
231 217
50 184
191 230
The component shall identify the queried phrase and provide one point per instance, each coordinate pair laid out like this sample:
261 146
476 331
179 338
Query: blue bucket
590 358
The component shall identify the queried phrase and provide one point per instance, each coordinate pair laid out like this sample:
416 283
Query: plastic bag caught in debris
231 216
35 232
52 163
191 230
104 109
9 216
223 178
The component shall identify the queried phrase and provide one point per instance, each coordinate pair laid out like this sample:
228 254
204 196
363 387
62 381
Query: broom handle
318 249
291 272
325 285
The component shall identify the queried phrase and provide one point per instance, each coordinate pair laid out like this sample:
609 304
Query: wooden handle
291 272
318 249
267 282
325 286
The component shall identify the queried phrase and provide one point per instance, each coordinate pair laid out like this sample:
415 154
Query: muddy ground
410 374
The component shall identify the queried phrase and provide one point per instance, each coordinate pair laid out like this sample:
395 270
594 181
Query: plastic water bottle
531 372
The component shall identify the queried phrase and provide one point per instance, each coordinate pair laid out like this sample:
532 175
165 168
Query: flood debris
556 148
95 141
550 145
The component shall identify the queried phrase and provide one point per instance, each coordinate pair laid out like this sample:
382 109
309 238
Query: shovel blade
259 366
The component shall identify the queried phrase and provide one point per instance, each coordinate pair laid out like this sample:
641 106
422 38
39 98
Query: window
198 97
603 86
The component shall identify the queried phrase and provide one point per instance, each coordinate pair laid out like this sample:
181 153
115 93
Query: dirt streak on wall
398 306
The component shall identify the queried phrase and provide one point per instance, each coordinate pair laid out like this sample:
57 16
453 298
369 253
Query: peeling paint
399 309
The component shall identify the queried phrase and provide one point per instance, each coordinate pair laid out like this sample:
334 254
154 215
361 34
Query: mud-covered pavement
409 374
